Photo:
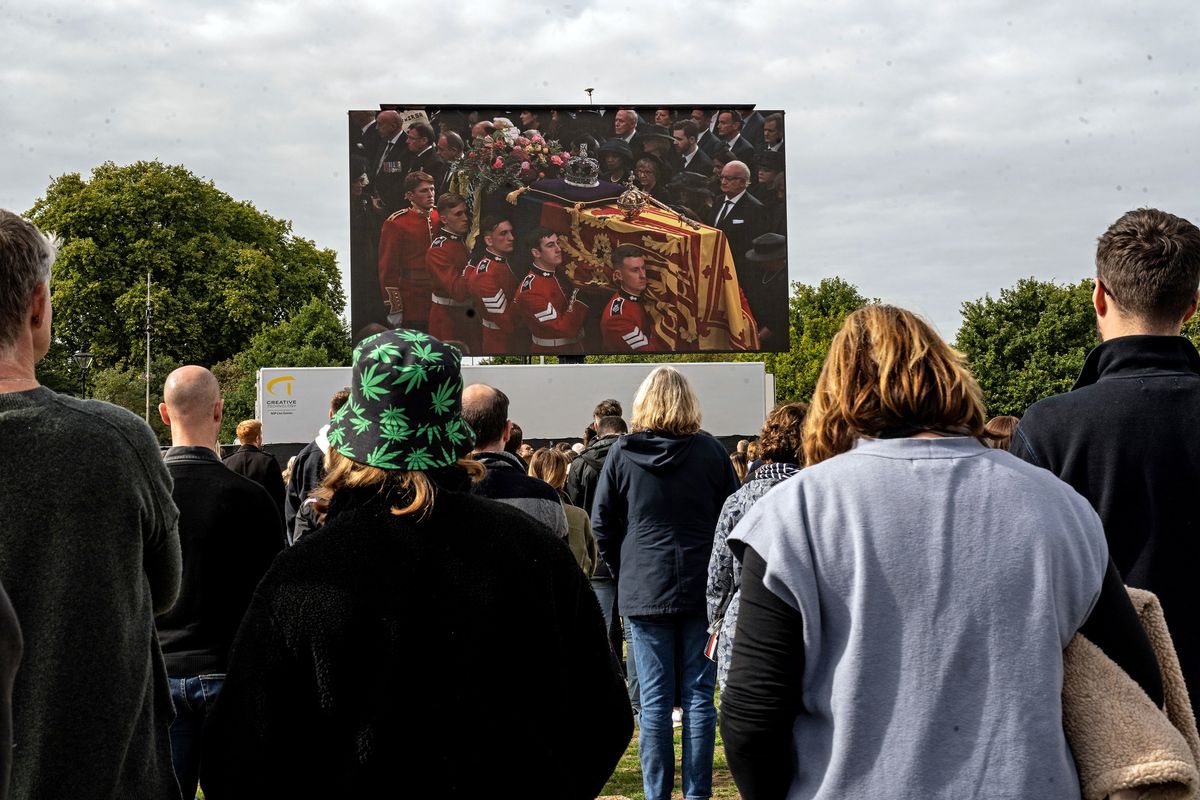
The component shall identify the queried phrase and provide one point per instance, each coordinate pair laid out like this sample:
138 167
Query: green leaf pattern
385 352
443 398
380 457
371 382
419 458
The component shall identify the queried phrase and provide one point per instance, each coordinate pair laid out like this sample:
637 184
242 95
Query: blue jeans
631 671
193 698
660 644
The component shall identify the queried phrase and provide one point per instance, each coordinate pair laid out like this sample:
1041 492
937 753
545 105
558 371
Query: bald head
485 409
192 406
387 124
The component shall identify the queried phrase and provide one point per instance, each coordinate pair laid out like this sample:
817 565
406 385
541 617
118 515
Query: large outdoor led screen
525 230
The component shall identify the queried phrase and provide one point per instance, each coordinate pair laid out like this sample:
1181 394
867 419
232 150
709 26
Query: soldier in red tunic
626 326
492 284
551 311
403 242
451 317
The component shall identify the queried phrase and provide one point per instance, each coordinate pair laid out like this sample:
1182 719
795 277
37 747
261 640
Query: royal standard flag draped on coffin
693 292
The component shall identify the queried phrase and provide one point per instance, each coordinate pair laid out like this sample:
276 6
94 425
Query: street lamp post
83 360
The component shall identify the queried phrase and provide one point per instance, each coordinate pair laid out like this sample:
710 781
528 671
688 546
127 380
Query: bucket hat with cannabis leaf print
405 406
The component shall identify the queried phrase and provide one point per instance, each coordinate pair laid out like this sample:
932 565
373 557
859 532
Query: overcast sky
936 152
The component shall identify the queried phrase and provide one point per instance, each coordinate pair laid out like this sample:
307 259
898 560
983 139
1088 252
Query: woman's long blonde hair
665 403
887 370
342 473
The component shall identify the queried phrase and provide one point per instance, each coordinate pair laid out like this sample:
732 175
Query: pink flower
556 161
541 174
538 139
471 154
498 163
521 140
525 166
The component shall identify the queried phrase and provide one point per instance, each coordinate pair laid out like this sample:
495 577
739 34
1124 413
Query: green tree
1028 343
127 388
221 269
815 314
312 337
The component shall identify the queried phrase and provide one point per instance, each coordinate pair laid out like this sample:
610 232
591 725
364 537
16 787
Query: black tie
724 210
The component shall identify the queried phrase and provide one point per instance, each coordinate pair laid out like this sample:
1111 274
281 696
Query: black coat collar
1130 355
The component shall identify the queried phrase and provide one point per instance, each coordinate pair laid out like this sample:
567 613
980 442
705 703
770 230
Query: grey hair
25 258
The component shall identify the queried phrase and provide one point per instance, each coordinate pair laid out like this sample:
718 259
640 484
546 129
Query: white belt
487 323
446 301
540 342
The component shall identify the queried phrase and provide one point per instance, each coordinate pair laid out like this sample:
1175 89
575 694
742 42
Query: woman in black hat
372 640
616 160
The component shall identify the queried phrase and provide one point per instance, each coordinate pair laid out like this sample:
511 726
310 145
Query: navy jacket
654 517
1127 437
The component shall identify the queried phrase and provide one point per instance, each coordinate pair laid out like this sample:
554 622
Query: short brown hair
450 200
550 465
625 251
1149 261
249 430
782 437
339 399
607 408
998 431
414 179
887 370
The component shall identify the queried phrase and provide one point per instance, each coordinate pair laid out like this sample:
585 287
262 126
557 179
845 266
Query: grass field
626 781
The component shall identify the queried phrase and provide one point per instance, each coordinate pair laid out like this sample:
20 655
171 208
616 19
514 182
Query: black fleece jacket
1127 437
376 658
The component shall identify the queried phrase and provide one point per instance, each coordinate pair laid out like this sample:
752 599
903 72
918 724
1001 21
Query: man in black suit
707 139
736 212
690 157
450 148
729 130
387 172
363 139
251 462
752 126
773 133
422 153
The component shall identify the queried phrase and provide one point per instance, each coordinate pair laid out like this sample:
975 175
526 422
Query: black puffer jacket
654 516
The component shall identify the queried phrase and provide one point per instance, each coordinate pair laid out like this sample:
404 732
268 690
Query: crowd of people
510 294
884 596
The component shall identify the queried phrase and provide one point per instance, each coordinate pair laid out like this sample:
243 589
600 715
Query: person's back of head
338 400
1148 264
516 438
611 425
665 403
889 373
192 406
782 437
998 431
607 408
485 409
25 258
249 431
550 465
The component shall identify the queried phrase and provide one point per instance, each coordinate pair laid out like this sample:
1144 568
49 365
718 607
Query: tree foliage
314 336
815 314
221 269
1028 343
126 387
